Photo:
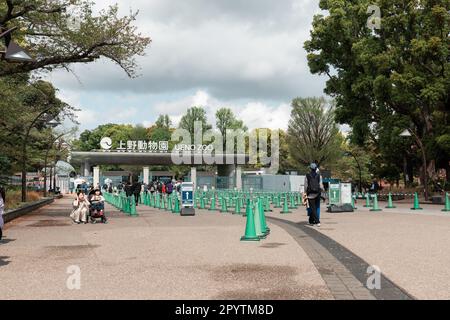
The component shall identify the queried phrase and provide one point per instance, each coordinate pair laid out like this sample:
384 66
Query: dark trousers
314 204
136 198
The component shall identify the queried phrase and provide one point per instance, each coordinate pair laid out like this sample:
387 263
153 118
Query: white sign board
346 193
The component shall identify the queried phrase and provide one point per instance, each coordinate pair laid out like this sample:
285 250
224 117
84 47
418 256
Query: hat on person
313 166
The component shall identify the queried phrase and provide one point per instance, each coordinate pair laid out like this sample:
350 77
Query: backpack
313 184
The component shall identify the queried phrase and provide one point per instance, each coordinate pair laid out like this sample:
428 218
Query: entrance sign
335 193
187 199
135 145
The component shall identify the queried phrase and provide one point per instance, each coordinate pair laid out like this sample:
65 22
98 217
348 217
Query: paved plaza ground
159 255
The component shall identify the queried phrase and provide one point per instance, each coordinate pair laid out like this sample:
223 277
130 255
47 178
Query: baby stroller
96 210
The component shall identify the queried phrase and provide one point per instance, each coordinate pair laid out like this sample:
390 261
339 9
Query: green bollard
250 231
375 207
416 202
390 202
447 203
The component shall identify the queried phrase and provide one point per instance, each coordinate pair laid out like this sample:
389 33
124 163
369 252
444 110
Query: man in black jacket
313 190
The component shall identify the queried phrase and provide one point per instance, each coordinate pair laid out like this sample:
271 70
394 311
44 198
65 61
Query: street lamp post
24 150
52 142
13 52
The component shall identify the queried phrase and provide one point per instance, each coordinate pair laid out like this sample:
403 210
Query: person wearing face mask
312 192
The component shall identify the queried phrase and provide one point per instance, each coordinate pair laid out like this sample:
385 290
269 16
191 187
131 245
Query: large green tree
193 115
401 69
313 135
58 33
27 108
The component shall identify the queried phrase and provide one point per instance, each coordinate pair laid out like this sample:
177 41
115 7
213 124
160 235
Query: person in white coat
80 209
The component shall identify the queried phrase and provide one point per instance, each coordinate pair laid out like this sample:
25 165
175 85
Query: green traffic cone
213 204
416 202
278 201
250 231
237 207
375 204
133 211
127 207
176 208
223 205
353 203
390 202
447 203
285 206
267 205
367 205
157 201
258 222
169 204
202 202
264 228
162 204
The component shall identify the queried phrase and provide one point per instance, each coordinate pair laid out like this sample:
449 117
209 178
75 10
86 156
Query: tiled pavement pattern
344 273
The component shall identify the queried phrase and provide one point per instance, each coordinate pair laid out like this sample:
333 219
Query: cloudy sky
246 55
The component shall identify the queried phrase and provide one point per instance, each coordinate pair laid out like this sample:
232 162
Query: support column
194 176
87 169
96 177
239 177
146 173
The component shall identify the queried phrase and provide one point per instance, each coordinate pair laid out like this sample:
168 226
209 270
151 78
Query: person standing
2 208
169 188
312 192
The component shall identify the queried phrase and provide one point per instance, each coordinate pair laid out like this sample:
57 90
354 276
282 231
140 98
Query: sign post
335 194
187 199
340 197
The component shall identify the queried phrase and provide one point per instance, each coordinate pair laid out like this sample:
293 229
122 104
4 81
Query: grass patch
14 198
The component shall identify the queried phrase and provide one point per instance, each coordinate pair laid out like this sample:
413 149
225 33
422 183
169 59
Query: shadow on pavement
3 261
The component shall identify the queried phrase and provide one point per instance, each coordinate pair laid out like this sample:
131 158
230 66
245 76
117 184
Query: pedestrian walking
313 190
